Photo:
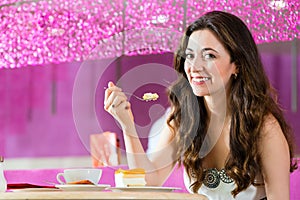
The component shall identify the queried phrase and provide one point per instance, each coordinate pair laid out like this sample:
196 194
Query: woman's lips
199 80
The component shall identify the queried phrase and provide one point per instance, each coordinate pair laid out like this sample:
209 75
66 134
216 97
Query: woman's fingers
111 93
110 84
111 88
114 100
117 108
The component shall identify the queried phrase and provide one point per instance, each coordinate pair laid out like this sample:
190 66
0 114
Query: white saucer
143 189
82 187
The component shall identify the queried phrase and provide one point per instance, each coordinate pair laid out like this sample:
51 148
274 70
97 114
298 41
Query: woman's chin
200 93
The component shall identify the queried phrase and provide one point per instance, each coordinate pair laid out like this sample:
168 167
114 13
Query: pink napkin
13 186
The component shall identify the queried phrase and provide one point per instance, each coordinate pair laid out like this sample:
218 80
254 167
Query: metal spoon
152 96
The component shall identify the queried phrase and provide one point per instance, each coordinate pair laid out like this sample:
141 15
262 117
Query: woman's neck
216 104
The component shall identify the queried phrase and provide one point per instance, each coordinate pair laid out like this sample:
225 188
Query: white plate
143 189
82 187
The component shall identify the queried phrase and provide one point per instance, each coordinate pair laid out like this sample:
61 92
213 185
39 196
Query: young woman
225 125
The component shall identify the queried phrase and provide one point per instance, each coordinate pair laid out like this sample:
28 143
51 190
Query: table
98 195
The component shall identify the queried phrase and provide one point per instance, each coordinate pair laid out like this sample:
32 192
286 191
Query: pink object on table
105 149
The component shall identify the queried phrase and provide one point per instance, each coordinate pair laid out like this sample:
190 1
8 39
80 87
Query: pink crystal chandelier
39 32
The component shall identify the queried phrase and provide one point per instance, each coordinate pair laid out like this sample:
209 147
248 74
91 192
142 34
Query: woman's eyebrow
208 49
203 50
189 49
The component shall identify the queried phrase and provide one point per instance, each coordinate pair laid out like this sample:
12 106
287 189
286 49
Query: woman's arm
162 161
275 161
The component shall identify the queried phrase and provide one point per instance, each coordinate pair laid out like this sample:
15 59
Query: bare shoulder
271 128
273 143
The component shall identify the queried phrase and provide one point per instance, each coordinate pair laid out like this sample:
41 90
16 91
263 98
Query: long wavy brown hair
250 100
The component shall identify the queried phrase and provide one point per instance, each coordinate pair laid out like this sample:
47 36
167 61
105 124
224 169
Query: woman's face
207 64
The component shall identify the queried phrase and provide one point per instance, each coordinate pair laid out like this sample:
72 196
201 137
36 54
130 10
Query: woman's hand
115 102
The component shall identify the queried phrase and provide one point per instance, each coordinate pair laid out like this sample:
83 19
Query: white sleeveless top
222 191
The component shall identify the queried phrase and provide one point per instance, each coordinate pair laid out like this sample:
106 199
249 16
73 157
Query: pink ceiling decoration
54 31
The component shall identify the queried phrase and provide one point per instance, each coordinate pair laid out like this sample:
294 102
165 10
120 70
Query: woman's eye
209 56
189 56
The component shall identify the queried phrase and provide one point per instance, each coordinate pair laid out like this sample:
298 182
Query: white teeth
200 79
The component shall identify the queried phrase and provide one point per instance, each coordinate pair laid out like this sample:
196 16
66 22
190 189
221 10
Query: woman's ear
236 69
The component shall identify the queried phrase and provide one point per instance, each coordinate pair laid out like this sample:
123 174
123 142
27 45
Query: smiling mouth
200 80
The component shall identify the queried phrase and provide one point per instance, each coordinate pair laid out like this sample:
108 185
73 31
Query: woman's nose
198 64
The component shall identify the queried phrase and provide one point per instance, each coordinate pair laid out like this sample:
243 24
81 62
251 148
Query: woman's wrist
129 129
